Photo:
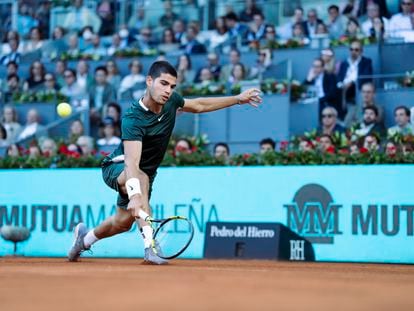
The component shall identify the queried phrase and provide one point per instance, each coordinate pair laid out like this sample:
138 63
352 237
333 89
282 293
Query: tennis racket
172 236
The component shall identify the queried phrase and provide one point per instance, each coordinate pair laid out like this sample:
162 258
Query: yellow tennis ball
64 109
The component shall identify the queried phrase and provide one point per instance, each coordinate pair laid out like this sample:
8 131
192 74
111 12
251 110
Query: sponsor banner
348 213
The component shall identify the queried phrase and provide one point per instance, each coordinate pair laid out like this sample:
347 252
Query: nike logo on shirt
160 118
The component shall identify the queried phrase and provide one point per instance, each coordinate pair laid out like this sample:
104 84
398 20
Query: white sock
89 239
147 232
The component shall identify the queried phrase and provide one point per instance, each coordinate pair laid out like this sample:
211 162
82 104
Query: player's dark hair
101 68
160 67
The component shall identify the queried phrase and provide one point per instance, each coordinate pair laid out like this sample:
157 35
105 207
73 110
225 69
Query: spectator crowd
60 70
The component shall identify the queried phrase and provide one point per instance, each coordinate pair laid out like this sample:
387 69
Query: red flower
246 156
103 153
284 144
363 150
343 151
330 149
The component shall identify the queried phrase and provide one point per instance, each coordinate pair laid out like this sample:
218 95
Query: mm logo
313 214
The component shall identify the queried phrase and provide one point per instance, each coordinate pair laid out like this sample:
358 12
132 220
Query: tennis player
130 170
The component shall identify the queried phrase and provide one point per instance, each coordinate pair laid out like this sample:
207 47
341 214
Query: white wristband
133 187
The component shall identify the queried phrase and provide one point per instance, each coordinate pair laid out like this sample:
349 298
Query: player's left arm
206 104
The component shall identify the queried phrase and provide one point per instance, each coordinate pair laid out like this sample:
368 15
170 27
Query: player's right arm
137 182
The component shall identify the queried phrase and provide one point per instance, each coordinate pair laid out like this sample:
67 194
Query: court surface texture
127 284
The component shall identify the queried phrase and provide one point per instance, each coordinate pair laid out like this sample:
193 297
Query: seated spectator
116 45
4 142
323 84
257 29
222 151
368 99
73 46
10 35
179 31
206 77
34 150
76 130
36 77
86 145
71 88
144 40
305 145
329 122
83 78
336 22
353 29
263 68
14 151
81 16
12 68
107 18
14 55
402 122
168 42
237 31
96 50
266 145
286 31
133 78
310 25
321 31
183 146
10 123
238 74
60 67
35 42
325 144
185 73
101 93
12 88
249 10
25 20
193 46
50 86
138 20
391 149
369 124
348 78
54 48
372 142
48 147
402 23
234 58
33 126
213 66
298 34
167 19
113 110
113 76
108 133
370 26
219 36
330 64
270 38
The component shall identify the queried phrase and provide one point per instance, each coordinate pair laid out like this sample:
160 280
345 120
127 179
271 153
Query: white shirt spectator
352 72
114 140
400 23
129 81
367 26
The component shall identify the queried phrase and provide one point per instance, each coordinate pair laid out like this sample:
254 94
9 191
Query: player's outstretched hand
251 97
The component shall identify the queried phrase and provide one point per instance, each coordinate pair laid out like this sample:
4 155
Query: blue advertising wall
349 213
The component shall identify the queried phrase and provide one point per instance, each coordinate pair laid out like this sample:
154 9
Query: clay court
126 284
